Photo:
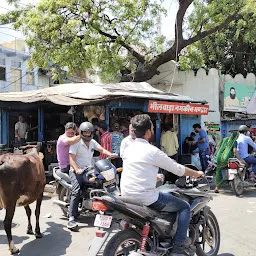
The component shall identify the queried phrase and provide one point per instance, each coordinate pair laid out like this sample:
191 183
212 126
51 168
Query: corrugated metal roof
85 93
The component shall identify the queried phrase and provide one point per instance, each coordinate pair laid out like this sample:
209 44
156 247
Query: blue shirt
205 144
242 145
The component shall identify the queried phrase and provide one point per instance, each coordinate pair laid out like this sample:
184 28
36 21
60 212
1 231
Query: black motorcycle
145 231
103 175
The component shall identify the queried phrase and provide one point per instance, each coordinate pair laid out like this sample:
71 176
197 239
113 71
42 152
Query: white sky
167 22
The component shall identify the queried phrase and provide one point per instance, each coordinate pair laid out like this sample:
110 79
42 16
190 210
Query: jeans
251 160
78 182
203 158
170 203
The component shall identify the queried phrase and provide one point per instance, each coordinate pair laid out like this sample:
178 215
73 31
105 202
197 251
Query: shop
51 108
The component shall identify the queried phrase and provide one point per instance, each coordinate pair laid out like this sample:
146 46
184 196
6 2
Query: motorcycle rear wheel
122 243
237 186
212 237
64 195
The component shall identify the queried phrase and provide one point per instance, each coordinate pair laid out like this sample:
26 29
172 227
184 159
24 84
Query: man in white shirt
80 157
21 128
141 162
127 141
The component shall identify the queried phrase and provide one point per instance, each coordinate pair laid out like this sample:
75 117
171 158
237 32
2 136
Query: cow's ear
41 155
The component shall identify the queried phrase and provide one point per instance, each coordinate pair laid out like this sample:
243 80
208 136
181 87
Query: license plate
102 221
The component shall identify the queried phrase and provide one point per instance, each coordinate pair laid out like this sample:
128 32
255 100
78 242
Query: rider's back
141 162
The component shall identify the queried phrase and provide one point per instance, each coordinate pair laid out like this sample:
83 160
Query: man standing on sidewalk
203 145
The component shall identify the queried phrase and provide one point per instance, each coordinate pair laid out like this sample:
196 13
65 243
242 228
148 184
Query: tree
232 50
120 35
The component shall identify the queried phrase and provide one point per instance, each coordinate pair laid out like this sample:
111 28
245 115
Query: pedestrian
117 138
105 138
81 155
189 146
64 142
96 137
170 146
124 128
127 141
21 128
203 146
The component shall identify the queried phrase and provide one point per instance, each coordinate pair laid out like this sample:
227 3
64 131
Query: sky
167 26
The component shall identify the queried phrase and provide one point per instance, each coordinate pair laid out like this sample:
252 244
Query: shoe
71 224
180 251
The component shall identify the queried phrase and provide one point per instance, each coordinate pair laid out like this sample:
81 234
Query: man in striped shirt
105 138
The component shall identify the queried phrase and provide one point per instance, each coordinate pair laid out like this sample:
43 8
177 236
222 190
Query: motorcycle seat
142 210
63 176
130 200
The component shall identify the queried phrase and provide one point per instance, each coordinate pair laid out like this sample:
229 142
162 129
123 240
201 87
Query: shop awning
86 93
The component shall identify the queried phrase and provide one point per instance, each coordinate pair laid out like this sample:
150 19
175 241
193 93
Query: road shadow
16 239
226 254
54 242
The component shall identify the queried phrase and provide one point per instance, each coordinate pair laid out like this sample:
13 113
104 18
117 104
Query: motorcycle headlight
108 174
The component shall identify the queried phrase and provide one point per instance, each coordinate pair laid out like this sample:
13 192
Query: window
15 64
30 78
2 74
16 80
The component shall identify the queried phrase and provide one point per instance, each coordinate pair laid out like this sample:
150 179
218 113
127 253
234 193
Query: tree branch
183 6
134 53
200 35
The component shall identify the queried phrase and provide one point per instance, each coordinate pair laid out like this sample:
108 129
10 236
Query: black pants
169 176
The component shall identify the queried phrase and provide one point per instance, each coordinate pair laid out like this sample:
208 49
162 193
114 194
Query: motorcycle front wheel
64 195
209 238
123 243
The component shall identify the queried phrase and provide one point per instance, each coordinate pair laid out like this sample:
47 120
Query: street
236 218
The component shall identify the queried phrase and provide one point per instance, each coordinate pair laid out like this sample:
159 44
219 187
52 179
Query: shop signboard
177 108
237 96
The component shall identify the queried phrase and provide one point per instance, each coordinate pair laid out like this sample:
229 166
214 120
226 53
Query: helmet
243 128
86 127
105 169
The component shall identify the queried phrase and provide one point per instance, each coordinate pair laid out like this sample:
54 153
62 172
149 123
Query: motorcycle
238 175
106 179
144 231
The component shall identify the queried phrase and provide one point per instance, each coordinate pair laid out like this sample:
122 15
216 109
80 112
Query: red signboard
177 108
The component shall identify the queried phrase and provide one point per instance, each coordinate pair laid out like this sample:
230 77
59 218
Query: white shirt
83 153
125 143
21 128
141 162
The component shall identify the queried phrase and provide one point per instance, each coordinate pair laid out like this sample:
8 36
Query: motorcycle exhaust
60 203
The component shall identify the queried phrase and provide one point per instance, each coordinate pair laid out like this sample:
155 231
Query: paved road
236 217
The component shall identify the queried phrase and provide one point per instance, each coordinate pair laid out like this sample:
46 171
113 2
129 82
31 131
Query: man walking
203 146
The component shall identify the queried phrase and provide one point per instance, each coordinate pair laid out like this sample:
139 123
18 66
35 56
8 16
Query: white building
15 75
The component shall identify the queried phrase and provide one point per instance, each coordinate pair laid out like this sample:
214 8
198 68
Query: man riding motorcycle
141 162
80 155
243 141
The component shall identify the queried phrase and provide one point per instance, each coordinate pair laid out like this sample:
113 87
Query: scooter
238 175
106 179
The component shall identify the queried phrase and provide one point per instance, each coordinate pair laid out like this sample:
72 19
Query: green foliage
83 34
232 50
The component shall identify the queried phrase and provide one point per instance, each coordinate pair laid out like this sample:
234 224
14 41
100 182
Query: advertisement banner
177 108
237 96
